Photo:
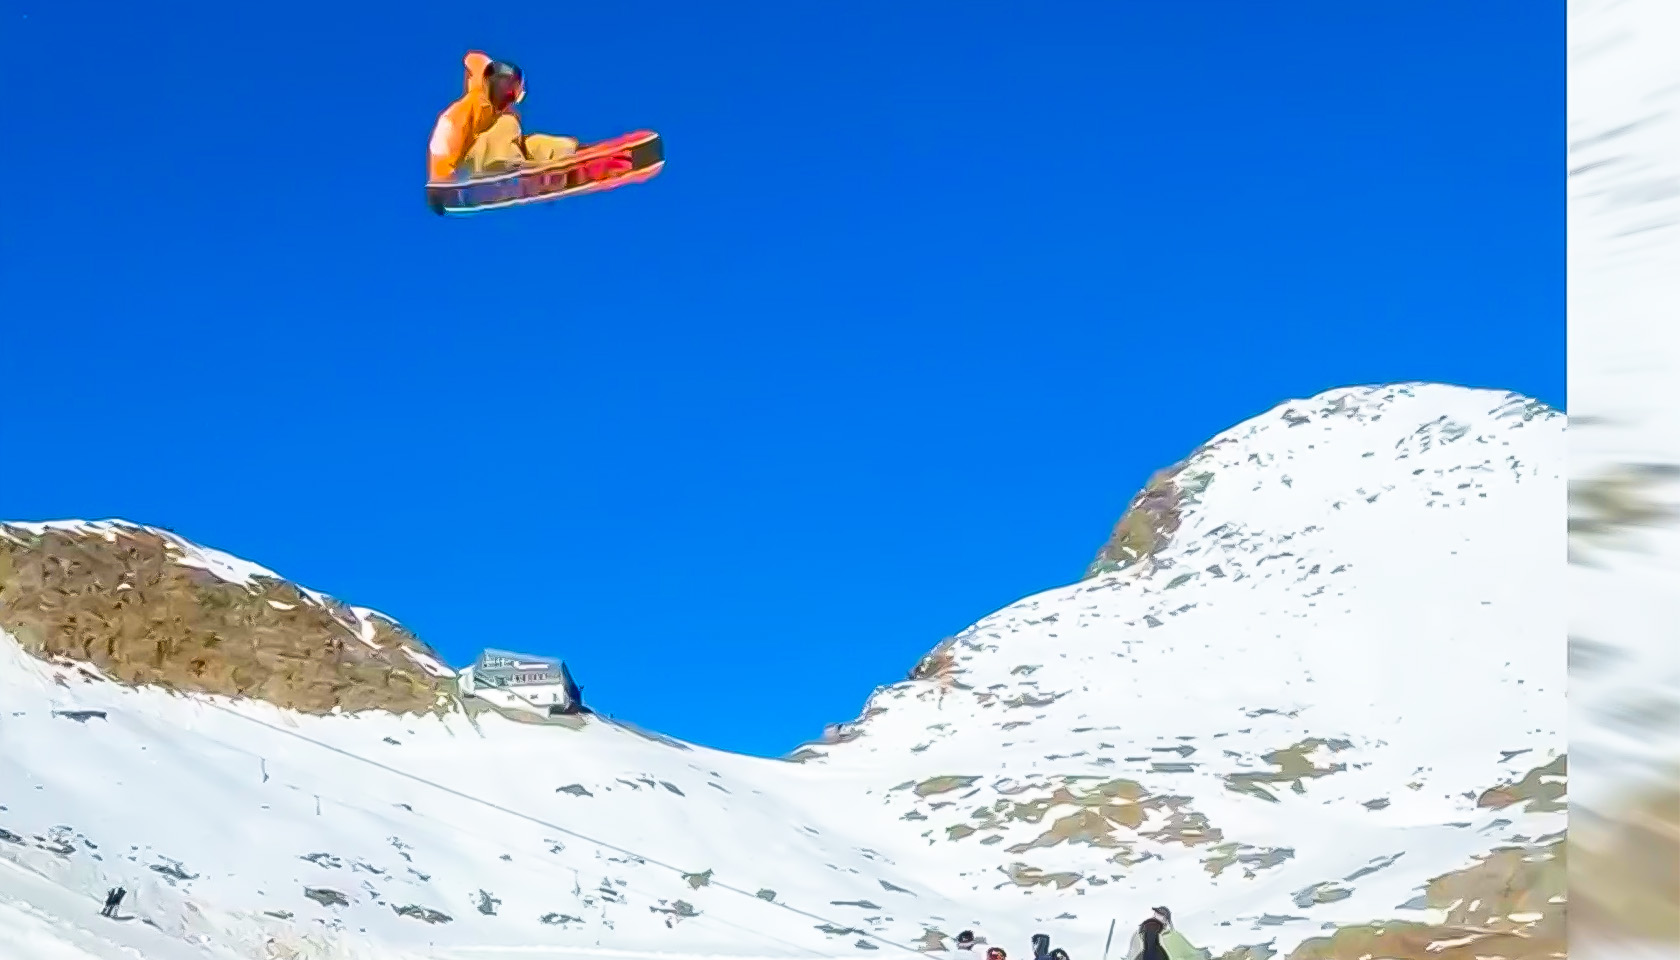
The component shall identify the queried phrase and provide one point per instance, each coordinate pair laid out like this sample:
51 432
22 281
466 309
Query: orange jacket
463 121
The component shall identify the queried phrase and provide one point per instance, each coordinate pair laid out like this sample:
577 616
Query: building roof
523 660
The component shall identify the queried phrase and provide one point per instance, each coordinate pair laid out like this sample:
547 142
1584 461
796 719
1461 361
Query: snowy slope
1624 281
1283 716
217 802
1377 569
1624 356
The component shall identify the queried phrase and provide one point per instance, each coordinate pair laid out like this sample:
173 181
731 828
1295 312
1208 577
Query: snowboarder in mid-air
480 132
481 159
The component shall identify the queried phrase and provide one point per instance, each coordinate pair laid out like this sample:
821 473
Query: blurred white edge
1623 274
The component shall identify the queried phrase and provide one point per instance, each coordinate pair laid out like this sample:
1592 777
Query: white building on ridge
523 682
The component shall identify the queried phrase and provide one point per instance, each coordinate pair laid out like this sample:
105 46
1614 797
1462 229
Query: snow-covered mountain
1312 686
1329 632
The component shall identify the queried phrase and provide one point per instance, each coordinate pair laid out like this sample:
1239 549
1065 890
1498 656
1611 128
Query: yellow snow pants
497 149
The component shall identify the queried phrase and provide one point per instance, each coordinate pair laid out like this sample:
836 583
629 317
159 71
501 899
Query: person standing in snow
1041 946
1146 942
1158 934
113 898
1177 946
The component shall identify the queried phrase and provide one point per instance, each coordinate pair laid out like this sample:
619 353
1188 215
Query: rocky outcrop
1151 518
148 608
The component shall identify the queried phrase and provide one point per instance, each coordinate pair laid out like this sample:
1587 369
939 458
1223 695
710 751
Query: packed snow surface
1350 631
1624 464
1624 288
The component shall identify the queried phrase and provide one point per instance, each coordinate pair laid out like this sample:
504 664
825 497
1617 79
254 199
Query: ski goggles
508 79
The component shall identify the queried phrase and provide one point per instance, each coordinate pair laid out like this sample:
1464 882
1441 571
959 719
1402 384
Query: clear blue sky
925 293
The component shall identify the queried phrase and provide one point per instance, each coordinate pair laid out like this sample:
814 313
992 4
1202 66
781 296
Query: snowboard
631 158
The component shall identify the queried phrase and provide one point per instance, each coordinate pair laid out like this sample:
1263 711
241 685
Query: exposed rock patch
133 602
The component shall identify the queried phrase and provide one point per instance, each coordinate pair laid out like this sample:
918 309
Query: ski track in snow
1370 567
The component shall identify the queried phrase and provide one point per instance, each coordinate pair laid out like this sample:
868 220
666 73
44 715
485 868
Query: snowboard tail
631 158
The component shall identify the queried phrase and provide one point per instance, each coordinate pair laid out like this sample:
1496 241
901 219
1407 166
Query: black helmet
505 82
